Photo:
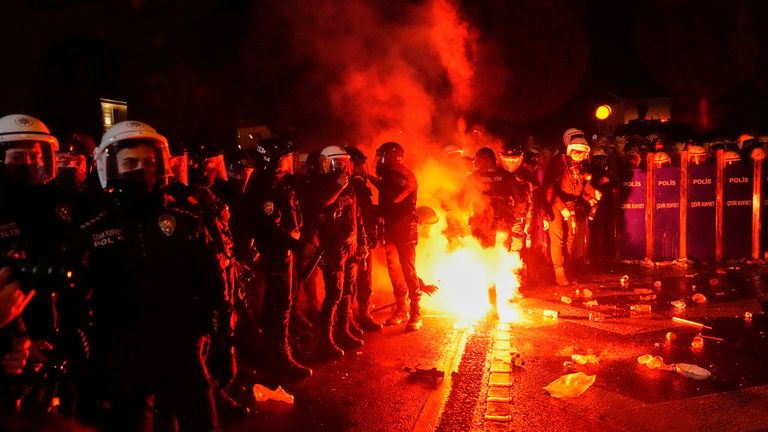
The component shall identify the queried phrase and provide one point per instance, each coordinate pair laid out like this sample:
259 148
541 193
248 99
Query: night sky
201 68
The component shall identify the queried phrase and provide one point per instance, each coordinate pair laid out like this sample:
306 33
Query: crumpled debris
699 298
566 299
678 304
261 394
689 370
654 362
692 371
583 359
591 303
571 385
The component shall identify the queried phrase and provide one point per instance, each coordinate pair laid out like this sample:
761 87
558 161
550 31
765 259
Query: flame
410 77
465 273
455 261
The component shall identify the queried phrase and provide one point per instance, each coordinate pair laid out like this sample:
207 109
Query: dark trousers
567 238
339 274
278 296
365 283
401 265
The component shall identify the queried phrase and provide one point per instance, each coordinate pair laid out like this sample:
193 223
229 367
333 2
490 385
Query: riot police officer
28 231
567 189
341 236
364 195
156 282
497 203
74 160
271 219
497 200
207 175
398 189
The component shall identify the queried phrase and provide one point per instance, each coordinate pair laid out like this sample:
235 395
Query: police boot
400 314
366 321
414 322
560 278
342 334
284 365
354 327
326 346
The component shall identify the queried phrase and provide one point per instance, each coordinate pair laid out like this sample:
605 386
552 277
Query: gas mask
138 181
71 178
24 175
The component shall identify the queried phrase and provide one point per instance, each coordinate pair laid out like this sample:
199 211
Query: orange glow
454 42
603 112
462 269
412 80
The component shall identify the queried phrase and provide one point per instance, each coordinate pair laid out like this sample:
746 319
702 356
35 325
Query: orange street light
602 112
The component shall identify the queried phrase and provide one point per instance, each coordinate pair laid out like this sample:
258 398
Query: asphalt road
370 391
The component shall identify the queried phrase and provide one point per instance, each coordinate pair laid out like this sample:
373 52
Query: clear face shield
28 163
360 168
137 165
239 175
340 165
578 155
285 165
72 167
511 163
214 168
697 159
179 168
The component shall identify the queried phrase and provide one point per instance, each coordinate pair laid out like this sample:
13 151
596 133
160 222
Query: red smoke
399 71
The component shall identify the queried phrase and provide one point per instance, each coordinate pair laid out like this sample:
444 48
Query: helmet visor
511 163
147 155
37 156
339 165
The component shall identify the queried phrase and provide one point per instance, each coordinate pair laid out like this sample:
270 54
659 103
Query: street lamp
603 112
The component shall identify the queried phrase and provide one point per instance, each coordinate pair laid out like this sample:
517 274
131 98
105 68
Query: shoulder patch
269 207
167 224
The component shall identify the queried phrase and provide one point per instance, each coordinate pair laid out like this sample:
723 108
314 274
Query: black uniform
340 232
214 214
271 217
156 283
33 224
368 212
499 202
400 230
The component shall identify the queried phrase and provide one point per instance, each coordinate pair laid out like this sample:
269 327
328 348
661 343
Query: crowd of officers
127 272
129 289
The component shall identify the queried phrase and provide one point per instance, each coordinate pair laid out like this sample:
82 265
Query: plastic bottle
679 304
641 308
550 314
697 343
644 359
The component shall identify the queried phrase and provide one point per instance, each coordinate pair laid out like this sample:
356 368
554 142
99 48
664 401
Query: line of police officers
130 289
134 284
